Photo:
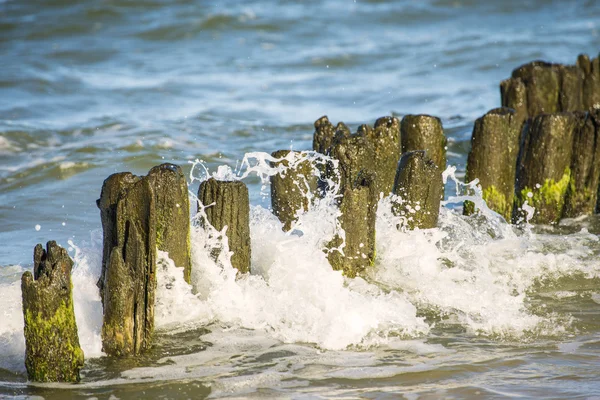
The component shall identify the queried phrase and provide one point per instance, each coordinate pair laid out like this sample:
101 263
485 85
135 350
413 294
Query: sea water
475 307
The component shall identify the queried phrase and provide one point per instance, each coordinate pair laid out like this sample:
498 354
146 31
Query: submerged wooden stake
544 166
291 189
493 159
358 206
52 351
228 205
420 189
424 132
581 195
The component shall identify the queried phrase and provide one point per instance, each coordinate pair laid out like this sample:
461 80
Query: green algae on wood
542 84
358 207
385 137
493 159
543 168
581 196
227 204
291 189
419 190
424 132
52 350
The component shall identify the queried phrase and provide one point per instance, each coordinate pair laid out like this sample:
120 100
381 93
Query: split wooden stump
52 351
139 215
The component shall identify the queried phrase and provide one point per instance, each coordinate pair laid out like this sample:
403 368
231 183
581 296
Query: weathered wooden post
356 156
358 206
420 189
513 94
493 159
424 132
542 87
52 351
172 214
543 169
570 93
291 188
130 276
581 195
325 134
385 138
591 81
228 205
138 215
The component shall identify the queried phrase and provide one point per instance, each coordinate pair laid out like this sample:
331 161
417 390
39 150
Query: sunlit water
473 308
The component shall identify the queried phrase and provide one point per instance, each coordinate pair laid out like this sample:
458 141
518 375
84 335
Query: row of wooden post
543 147
543 150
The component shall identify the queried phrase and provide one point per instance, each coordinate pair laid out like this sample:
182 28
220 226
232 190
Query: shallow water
474 308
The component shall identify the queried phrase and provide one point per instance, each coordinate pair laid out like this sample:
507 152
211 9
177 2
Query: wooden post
139 215
420 188
325 134
52 351
543 169
424 132
228 205
385 138
591 81
542 87
358 206
291 189
172 214
514 95
581 196
356 156
130 278
570 95
493 159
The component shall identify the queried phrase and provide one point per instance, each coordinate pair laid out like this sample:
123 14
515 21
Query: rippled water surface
472 308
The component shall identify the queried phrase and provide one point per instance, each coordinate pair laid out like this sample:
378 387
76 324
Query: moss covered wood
291 189
228 205
543 169
419 188
385 137
542 84
424 132
581 196
130 280
358 206
52 351
172 214
493 159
